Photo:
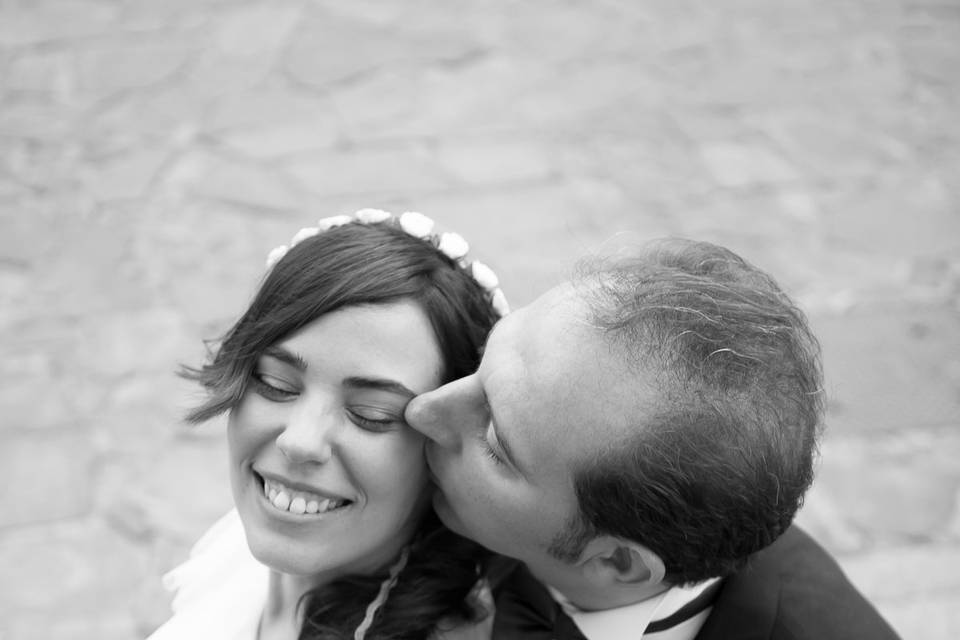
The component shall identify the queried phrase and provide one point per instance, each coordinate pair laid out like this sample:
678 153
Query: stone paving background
152 152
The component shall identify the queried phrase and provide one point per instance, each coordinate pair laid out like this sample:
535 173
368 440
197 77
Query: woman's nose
443 414
308 435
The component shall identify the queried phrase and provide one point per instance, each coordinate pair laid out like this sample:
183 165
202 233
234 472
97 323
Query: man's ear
609 560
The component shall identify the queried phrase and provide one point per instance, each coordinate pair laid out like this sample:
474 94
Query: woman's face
326 476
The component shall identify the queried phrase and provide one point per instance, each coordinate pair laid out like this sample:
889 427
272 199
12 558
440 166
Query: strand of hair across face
381 598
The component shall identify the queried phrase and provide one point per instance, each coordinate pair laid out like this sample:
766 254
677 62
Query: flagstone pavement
152 152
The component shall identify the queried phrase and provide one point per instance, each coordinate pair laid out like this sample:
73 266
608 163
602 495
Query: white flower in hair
276 254
303 234
453 245
416 224
372 216
484 275
499 303
333 221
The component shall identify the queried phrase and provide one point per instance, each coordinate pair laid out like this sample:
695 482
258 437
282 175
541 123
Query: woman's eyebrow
379 384
287 357
357 382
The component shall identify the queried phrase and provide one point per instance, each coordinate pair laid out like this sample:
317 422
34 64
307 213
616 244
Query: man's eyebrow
287 357
379 384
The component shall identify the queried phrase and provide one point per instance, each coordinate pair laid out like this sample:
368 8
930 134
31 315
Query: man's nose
308 434
443 414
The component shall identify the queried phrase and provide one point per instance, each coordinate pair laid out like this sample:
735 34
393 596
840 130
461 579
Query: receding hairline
723 334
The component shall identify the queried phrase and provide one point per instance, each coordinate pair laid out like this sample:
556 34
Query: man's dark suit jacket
792 590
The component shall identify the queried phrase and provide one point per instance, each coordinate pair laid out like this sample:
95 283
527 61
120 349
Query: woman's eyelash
268 390
259 383
371 424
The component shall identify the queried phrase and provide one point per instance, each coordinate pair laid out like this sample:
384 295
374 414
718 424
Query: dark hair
366 264
354 264
433 591
717 470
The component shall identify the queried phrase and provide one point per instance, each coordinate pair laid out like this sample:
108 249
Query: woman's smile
289 497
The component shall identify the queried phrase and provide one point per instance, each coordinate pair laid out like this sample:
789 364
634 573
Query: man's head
654 420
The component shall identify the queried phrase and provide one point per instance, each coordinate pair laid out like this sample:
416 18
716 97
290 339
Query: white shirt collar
624 623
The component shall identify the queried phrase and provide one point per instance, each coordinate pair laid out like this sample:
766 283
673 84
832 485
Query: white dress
221 591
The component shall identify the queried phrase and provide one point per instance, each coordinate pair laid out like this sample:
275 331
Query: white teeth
298 505
282 501
292 501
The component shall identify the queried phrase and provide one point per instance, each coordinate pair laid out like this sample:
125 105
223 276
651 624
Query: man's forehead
552 379
526 336
558 340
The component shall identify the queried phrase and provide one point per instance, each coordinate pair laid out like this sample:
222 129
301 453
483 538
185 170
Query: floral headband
419 226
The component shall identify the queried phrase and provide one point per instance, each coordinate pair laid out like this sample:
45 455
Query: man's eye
488 450
272 388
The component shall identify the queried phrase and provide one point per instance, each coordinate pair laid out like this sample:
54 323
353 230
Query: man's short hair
718 468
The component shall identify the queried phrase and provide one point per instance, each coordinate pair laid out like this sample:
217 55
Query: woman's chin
284 559
297 548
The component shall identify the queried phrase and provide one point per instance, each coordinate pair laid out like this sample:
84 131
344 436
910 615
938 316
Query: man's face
503 443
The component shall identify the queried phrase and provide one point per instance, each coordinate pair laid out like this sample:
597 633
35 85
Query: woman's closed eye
374 419
273 388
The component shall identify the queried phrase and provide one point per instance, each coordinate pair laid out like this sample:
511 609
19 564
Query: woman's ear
609 561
